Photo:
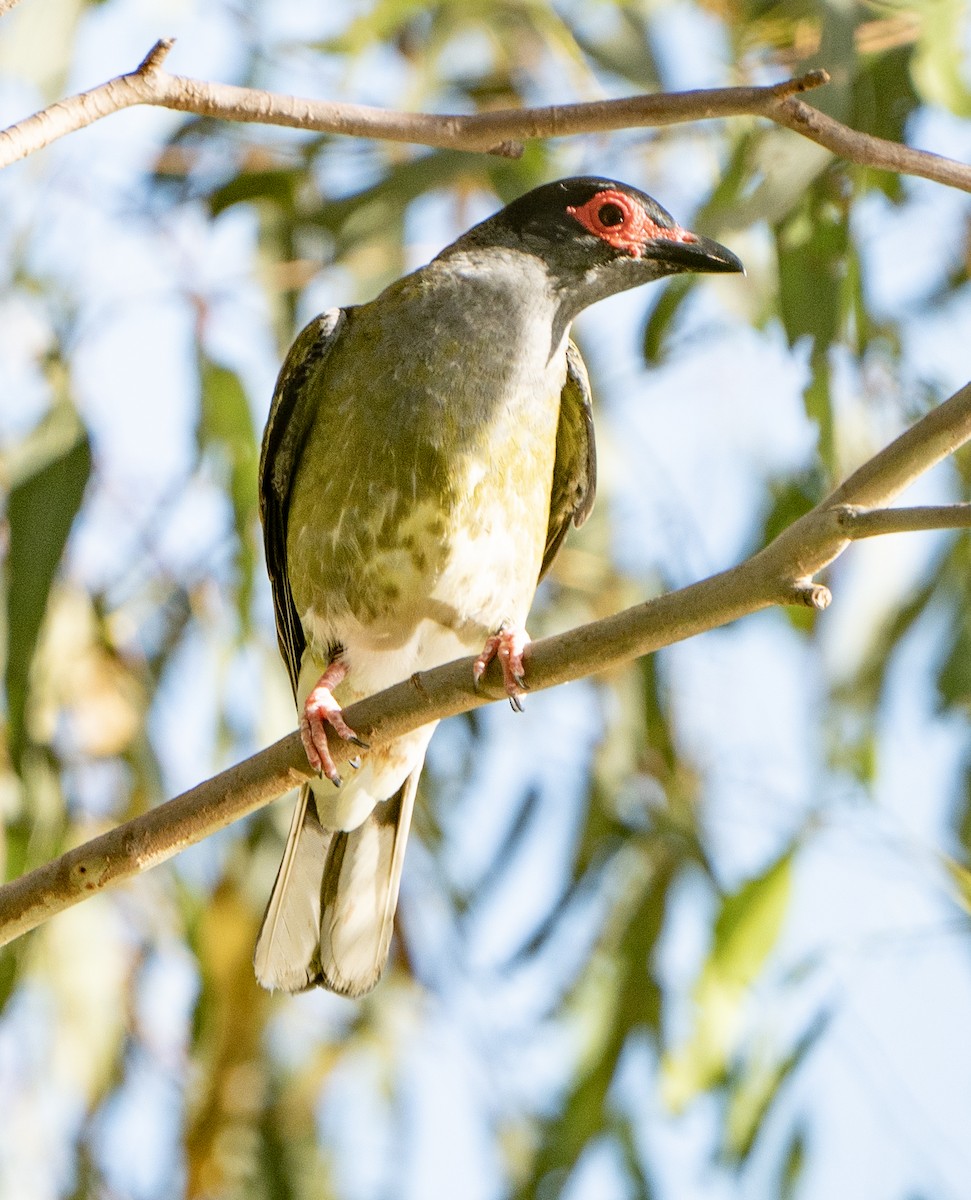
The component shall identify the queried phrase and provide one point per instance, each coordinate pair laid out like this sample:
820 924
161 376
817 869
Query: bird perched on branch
424 457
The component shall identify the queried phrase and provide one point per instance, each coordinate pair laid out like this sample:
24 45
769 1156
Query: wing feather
575 469
291 414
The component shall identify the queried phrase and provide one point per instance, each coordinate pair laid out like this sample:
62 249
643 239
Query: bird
424 457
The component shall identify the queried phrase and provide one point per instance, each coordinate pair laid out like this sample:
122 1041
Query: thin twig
152 62
500 132
869 150
808 545
865 523
779 574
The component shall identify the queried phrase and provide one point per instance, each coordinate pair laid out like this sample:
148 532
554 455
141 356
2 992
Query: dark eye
610 214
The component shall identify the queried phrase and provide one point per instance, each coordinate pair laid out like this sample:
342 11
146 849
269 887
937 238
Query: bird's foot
507 645
320 709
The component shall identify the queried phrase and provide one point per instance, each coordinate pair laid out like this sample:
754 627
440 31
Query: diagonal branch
867 149
500 132
781 573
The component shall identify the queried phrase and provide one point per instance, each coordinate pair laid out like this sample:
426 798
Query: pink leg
320 709
507 645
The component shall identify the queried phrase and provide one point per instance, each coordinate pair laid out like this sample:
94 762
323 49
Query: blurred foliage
41 507
95 650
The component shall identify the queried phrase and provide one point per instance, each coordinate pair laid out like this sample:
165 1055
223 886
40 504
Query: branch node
153 60
810 594
508 149
855 521
847 516
804 83
418 684
88 875
801 117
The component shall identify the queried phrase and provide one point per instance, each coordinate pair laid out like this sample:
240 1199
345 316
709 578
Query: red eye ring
621 222
607 214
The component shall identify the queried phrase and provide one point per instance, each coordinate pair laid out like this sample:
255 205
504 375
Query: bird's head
597 237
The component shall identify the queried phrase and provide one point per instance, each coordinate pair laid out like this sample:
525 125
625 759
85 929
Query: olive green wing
292 410
575 469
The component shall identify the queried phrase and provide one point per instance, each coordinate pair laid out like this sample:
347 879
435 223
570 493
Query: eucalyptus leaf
746 930
226 430
54 470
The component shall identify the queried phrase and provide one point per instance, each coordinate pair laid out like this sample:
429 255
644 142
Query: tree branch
781 573
864 523
500 132
869 150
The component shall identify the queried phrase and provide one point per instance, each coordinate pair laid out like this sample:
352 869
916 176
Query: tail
331 912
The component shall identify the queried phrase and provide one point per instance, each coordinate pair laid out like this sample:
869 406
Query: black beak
699 254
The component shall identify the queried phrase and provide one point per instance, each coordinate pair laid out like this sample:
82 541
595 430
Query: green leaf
756 1087
852 744
665 310
792 498
226 432
279 186
625 1133
381 22
819 408
792 1166
940 61
747 927
728 204
626 49
954 677
811 244
54 467
384 204
883 100
960 877
658 734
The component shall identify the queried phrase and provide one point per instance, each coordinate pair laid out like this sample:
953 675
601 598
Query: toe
489 652
508 646
308 744
313 734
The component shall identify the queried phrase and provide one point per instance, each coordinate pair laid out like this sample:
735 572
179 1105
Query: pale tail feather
286 955
331 912
360 894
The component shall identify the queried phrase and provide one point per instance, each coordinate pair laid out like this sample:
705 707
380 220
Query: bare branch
781 573
150 839
869 150
935 437
810 594
864 523
500 132
153 60
811 543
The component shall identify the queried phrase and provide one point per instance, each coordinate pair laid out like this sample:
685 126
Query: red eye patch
621 222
